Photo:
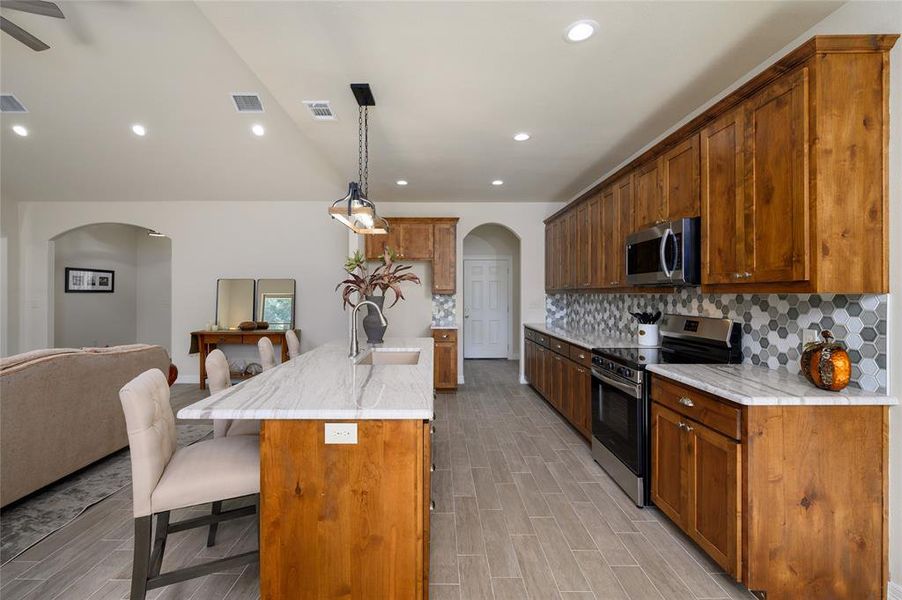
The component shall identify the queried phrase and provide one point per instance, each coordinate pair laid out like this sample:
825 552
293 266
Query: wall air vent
11 104
247 103
320 110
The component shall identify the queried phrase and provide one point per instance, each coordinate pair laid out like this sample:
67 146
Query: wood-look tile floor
522 512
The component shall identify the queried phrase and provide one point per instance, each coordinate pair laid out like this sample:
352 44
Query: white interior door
486 308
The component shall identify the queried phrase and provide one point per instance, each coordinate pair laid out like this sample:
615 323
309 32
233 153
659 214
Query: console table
203 342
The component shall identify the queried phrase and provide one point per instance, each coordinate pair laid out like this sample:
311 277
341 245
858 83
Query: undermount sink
390 356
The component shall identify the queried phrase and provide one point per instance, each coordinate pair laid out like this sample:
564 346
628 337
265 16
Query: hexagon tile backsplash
772 324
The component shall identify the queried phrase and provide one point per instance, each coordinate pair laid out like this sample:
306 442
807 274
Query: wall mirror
234 302
275 302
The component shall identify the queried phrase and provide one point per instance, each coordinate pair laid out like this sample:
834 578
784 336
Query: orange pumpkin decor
826 364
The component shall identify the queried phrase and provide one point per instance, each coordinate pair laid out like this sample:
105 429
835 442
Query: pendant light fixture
354 210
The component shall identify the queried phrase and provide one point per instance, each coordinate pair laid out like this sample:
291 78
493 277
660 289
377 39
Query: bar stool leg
159 543
211 537
141 564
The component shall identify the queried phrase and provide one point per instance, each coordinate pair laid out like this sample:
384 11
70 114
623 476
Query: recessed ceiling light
20 130
497 182
401 182
258 130
138 129
580 31
521 137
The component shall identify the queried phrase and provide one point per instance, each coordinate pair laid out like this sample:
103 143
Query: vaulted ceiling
453 82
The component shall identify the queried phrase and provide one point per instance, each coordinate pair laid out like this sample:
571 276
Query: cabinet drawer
529 334
559 346
719 415
542 339
222 339
580 355
444 335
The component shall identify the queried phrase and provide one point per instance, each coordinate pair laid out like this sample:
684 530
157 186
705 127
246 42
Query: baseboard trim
893 591
523 380
195 379
460 380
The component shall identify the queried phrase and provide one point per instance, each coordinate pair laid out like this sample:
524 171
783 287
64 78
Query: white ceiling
453 81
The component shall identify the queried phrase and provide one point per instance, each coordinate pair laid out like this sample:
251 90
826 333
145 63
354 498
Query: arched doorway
111 284
491 293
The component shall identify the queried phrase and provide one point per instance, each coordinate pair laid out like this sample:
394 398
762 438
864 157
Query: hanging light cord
363 149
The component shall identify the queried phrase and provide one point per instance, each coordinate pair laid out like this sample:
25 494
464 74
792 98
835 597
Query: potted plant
387 276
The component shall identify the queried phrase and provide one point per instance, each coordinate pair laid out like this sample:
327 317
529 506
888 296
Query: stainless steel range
620 393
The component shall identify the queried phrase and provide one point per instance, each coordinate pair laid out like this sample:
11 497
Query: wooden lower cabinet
444 359
344 520
794 506
564 383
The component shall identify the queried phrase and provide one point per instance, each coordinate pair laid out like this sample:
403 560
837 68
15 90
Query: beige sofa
60 411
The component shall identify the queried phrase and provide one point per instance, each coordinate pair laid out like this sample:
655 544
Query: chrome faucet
355 348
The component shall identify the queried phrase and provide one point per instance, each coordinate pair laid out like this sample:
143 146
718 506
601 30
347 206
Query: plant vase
371 325
648 334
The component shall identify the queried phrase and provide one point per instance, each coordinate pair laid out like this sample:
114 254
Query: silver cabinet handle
581 356
431 505
686 402
685 426
444 336
432 468
432 430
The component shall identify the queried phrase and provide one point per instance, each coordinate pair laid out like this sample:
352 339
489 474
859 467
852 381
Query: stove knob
626 372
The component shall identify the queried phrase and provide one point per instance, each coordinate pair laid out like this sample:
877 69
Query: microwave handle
664 267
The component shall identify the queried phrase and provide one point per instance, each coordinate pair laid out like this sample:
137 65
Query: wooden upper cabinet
549 238
723 201
571 255
584 245
680 180
416 241
776 184
444 258
648 198
620 219
596 242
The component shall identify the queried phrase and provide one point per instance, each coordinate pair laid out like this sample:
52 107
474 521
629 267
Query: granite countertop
443 327
754 385
586 339
325 384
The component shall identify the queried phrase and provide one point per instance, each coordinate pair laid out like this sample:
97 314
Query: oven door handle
663 252
631 389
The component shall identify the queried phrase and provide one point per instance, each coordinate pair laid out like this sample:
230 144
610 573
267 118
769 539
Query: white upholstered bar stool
219 378
166 478
294 344
267 353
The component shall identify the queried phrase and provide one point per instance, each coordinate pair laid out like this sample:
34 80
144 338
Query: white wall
96 319
209 240
866 18
493 240
9 275
153 289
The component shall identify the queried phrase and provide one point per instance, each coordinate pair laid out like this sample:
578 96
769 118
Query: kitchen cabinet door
558 258
714 495
680 180
596 243
445 365
648 206
583 246
444 258
543 370
568 255
622 225
776 217
669 465
723 201
374 246
608 221
549 252
564 401
581 399
415 241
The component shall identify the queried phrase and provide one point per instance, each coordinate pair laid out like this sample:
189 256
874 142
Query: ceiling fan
37 7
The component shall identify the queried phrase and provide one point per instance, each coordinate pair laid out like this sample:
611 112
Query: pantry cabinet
788 174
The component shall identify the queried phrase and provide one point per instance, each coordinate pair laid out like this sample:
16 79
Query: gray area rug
33 518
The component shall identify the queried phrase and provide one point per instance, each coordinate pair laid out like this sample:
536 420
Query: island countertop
325 384
755 385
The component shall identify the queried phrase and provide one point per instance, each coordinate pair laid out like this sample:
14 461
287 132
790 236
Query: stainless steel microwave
666 254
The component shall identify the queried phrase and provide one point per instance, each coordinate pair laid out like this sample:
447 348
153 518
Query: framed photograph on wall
89 281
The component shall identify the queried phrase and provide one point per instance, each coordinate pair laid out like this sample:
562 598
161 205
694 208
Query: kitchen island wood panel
343 520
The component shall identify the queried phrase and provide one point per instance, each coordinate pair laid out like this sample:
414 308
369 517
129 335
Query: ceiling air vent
247 103
321 110
11 104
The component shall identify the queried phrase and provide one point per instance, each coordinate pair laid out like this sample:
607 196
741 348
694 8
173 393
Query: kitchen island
345 456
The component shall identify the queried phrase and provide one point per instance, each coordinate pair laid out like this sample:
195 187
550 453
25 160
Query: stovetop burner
635 358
